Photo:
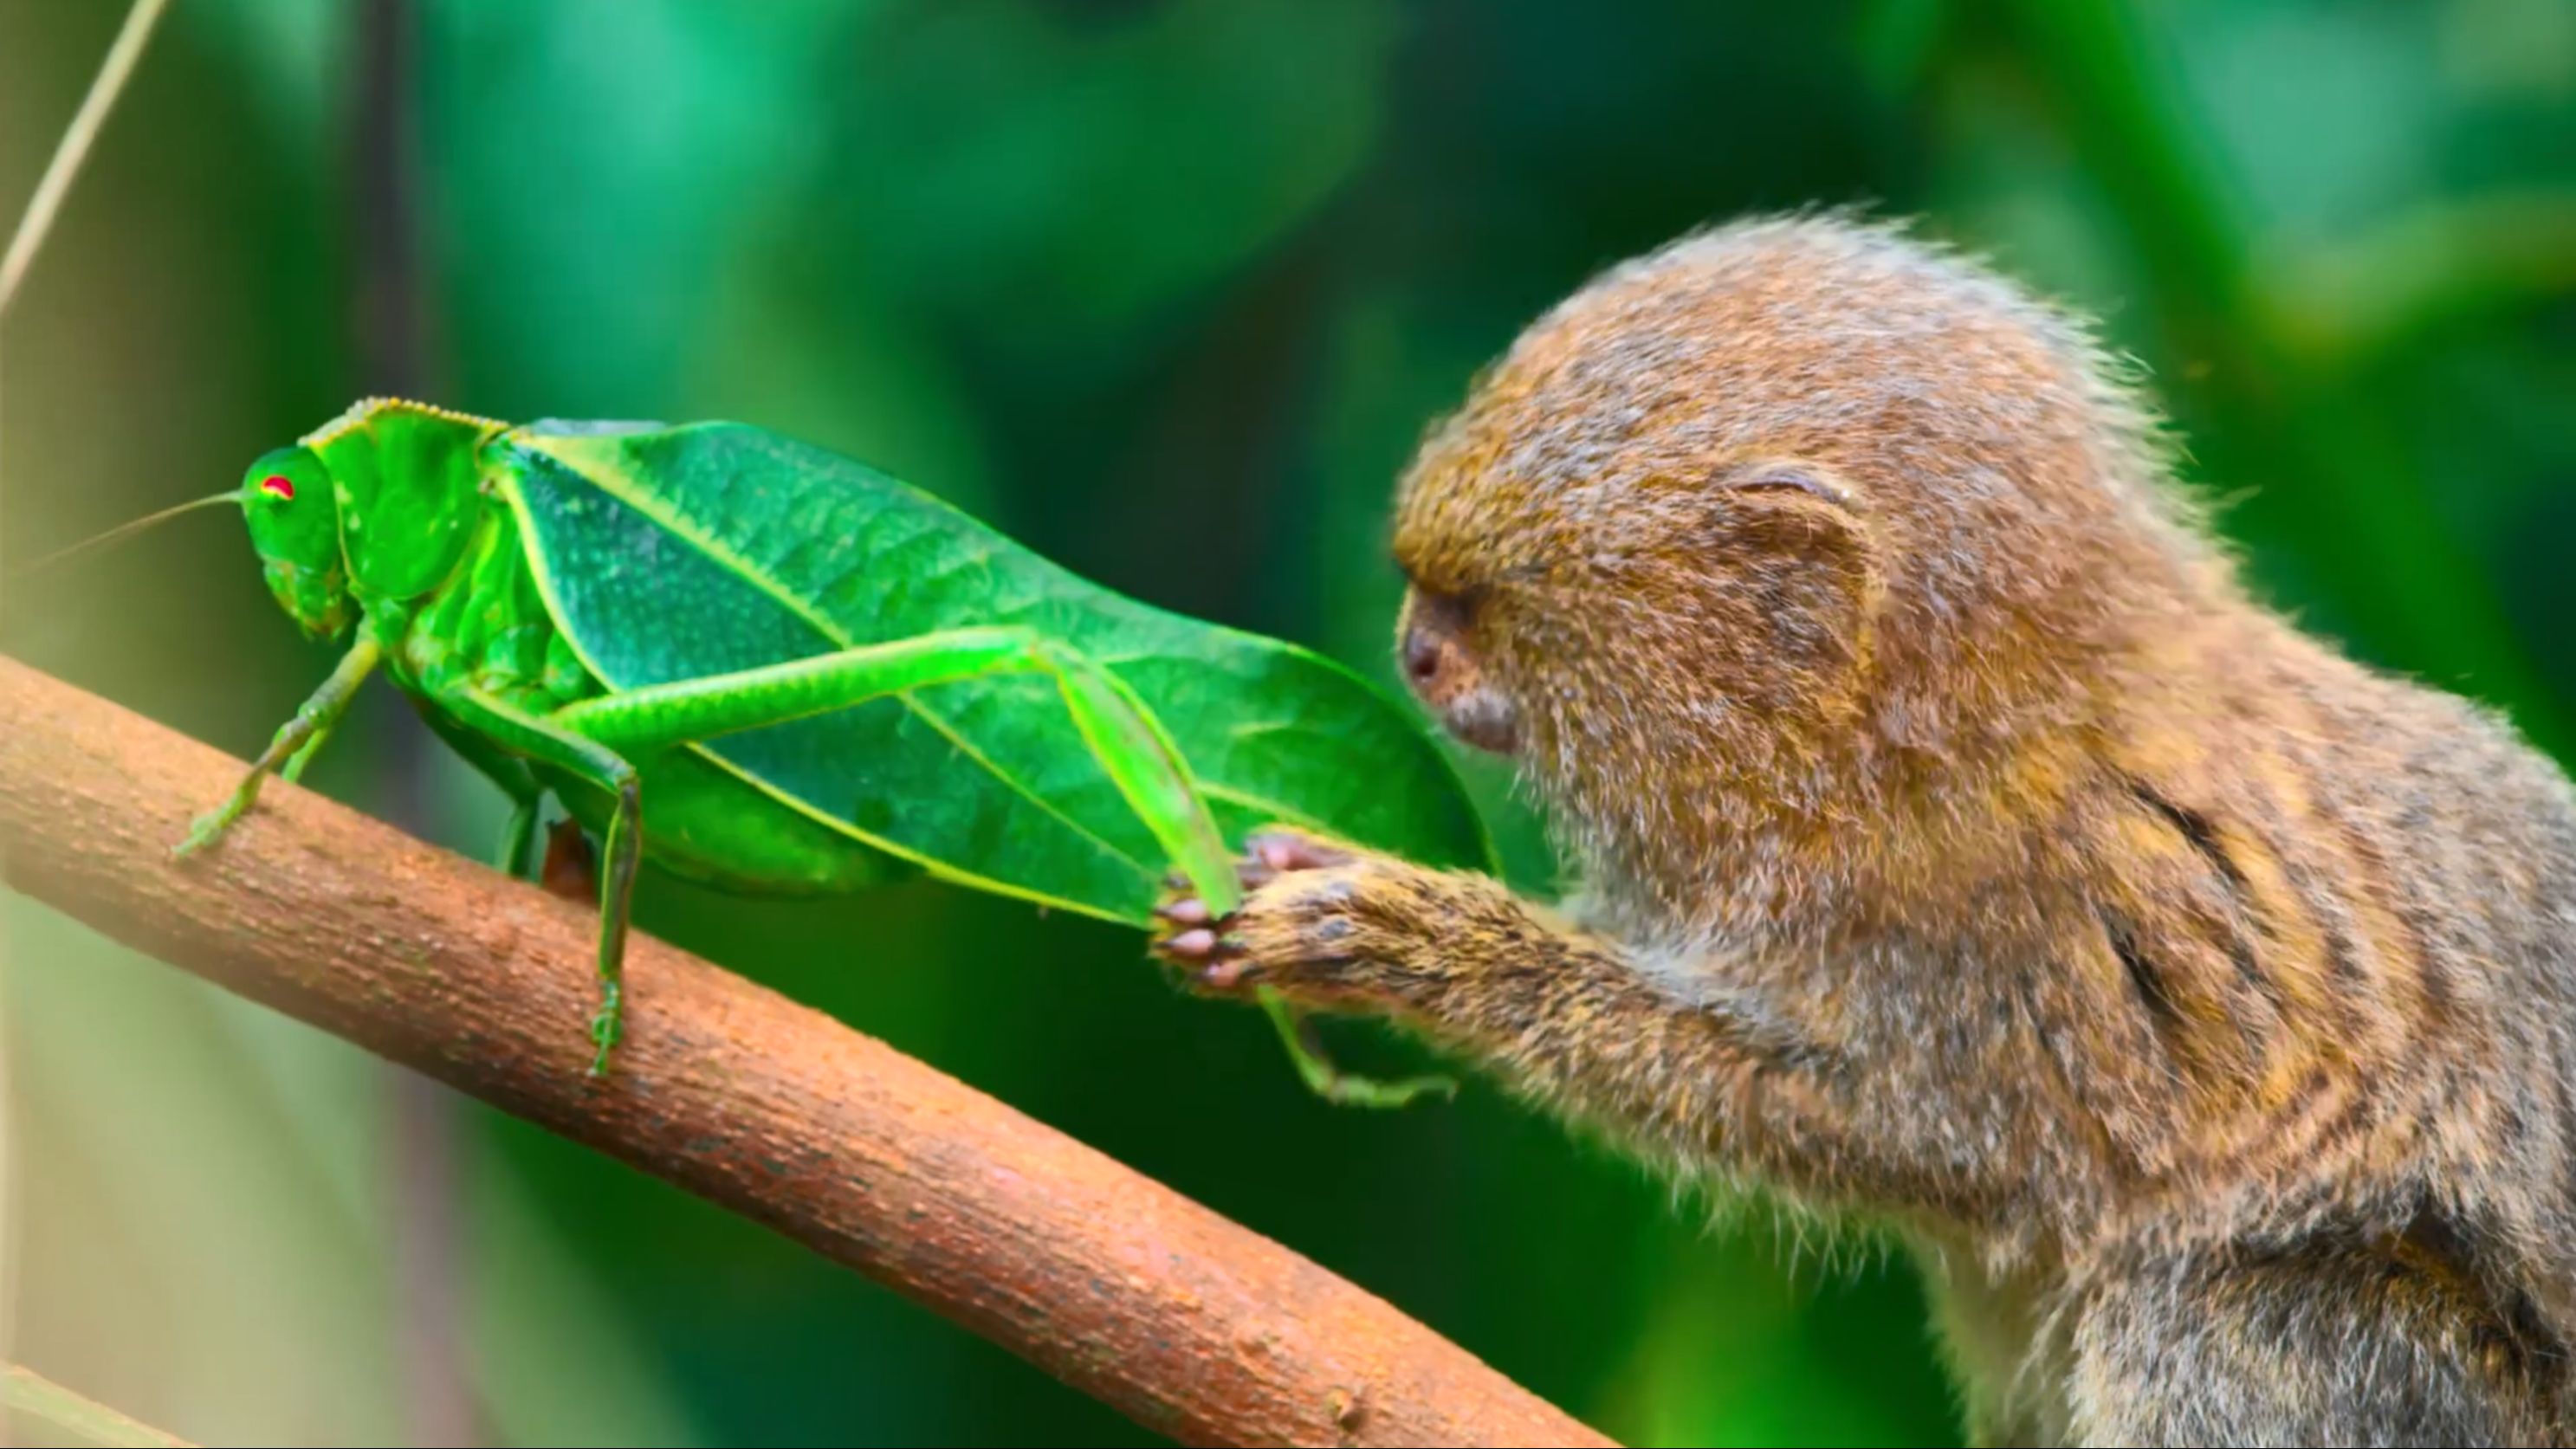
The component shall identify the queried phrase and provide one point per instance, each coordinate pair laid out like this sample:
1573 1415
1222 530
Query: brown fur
1964 850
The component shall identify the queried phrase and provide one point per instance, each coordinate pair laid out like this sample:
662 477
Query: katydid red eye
278 484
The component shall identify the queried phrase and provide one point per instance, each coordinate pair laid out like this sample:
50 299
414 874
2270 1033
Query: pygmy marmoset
1964 849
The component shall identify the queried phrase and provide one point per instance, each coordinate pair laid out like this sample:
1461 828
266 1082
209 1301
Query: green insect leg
1133 748
292 744
1129 743
293 771
516 854
688 710
545 740
1142 760
518 839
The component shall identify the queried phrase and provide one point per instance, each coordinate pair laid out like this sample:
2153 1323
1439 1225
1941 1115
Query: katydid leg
518 839
312 722
546 740
688 710
1124 737
293 770
1140 757
515 856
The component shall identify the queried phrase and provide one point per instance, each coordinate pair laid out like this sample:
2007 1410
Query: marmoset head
1760 528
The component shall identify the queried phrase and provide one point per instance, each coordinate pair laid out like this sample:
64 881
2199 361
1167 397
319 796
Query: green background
1167 290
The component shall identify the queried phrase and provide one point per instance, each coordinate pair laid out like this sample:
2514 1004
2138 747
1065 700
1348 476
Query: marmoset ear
1800 510
1792 477
1802 535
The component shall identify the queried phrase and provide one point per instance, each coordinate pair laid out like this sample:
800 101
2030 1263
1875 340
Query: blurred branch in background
33 1396
21 1391
1193 1326
391 344
47 202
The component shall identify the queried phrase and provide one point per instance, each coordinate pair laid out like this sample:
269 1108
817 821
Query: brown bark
1193 1326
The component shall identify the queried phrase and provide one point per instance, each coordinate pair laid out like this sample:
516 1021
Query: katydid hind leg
624 849
1126 740
1140 757
293 743
549 742
1135 751
1131 747
692 710
586 740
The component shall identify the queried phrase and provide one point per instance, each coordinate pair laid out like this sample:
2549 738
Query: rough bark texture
1192 1325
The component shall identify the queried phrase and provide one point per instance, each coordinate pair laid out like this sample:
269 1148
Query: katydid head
294 516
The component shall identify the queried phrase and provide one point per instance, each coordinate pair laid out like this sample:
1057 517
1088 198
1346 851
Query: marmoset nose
1421 655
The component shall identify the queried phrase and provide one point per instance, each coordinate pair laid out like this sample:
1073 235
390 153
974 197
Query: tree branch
23 1391
1195 1327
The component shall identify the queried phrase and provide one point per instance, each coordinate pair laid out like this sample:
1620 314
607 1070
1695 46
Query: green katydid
774 670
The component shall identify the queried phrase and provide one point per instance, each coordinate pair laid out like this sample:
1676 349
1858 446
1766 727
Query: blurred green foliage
1168 291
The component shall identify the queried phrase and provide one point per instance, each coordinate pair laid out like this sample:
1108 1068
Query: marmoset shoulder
1965 850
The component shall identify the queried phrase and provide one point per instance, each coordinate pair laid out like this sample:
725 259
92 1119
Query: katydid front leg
293 743
293 771
516 854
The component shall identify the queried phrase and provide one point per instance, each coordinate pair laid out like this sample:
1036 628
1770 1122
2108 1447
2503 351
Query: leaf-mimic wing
683 552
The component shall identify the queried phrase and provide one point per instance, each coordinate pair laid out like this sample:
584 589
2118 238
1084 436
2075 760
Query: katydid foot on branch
291 747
